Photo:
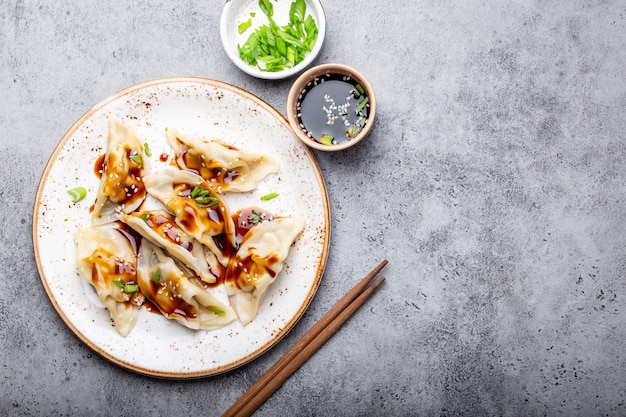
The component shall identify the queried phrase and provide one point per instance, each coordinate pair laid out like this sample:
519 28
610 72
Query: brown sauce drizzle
167 228
122 187
193 216
210 170
107 267
243 271
133 237
163 299
99 166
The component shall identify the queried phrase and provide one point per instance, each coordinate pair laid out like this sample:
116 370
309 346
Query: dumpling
199 210
258 261
106 259
177 293
227 168
121 186
160 228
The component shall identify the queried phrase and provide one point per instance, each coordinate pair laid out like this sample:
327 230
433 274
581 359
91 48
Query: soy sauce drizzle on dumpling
121 186
179 294
105 257
259 259
226 167
160 228
200 211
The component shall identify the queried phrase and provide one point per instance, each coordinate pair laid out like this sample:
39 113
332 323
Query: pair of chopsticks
304 348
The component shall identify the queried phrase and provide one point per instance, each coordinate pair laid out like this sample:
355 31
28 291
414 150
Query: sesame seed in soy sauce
332 109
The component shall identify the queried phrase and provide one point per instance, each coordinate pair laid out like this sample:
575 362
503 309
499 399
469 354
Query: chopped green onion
202 198
272 47
146 149
131 288
137 159
155 276
243 26
119 282
144 217
269 196
360 88
207 201
77 194
266 7
216 310
297 11
254 217
362 104
327 139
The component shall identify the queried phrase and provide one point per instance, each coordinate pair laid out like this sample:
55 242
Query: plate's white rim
125 364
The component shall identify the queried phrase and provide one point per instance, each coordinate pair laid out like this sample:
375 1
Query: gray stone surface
494 182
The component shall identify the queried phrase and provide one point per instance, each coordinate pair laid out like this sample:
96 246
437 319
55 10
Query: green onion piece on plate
137 159
77 194
146 149
131 288
217 311
269 196
155 276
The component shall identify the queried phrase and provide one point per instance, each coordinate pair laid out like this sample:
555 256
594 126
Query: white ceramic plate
211 109
236 12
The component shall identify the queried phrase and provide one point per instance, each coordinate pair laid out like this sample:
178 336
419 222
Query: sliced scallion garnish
131 288
243 26
216 310
146 149
362 104
269 196
155 276
254 217
266 7
206 202
327 139
77 194
272 47
137 159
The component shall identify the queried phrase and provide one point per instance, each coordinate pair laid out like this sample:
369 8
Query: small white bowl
238 11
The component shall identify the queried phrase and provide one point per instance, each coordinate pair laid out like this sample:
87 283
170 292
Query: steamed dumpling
199 210
227 168
121 186
106 260
258 261
160 228
179 294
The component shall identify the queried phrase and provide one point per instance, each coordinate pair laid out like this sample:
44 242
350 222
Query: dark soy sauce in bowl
333 108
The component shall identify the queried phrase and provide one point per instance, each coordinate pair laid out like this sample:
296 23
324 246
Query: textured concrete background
494 182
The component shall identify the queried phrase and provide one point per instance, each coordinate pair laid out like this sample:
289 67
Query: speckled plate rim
320 262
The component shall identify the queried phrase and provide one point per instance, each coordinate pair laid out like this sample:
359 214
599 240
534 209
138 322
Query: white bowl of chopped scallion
273 39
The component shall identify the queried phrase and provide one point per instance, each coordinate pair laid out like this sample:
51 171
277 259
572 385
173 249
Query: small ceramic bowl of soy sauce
331 107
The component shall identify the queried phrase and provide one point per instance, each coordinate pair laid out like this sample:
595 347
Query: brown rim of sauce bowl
295 96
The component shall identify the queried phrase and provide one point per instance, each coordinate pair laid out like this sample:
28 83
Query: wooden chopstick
274 377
